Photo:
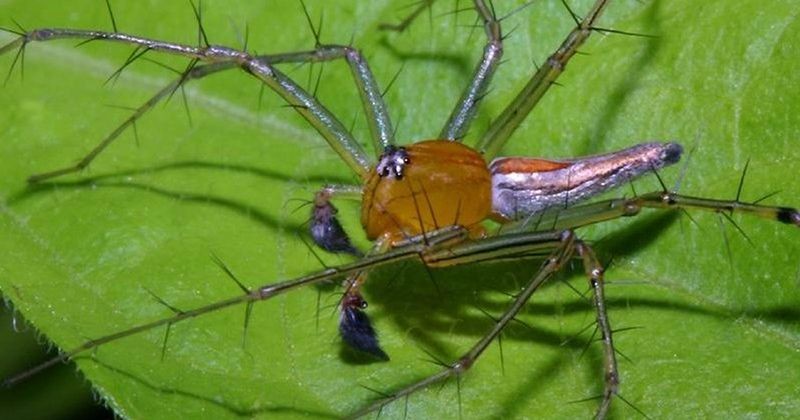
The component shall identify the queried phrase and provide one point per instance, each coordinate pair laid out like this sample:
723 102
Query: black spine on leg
356 329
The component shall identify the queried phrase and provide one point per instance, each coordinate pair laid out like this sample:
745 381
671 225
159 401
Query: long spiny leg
262 67
667 200
464 111
445 247
553 263
379 122
462 115
519 108
409 251
601 211
380 125
594 271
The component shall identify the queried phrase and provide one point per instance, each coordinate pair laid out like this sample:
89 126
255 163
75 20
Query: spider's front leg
208 59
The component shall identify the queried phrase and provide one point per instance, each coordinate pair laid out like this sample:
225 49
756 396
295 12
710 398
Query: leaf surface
719 332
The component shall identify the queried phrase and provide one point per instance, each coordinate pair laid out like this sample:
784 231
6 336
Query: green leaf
719 334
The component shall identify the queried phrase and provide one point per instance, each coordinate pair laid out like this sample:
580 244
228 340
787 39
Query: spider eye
392 162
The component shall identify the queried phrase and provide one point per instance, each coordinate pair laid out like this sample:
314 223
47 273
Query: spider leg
512 116
464 112
380 125
378 121
262 67
671 200
594 271
601 211
407 251
562 245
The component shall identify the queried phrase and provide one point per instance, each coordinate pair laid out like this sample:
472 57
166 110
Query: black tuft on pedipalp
356 329
327 232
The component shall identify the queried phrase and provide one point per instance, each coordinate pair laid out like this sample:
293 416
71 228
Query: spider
187 280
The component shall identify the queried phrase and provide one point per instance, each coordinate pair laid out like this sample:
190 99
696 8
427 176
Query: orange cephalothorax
437 183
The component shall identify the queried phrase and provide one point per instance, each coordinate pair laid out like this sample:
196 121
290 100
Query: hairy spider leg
512 116
408 250
464 112
448 247
518 109
563 244
262 67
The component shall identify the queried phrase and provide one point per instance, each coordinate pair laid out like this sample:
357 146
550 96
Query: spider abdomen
523 186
